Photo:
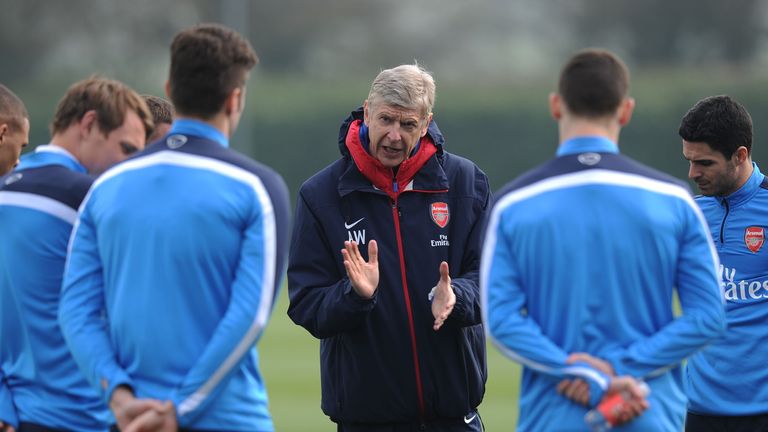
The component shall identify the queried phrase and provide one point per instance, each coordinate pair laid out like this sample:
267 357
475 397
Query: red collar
378 174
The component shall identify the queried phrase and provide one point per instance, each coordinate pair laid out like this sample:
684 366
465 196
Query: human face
393 132
713 173
100 151
13 137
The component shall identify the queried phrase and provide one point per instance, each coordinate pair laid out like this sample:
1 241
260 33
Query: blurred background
494 61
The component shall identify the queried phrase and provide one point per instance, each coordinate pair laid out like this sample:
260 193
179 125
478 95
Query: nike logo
469 420
348 226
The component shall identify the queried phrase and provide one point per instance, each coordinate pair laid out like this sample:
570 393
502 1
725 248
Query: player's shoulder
52 181
633 166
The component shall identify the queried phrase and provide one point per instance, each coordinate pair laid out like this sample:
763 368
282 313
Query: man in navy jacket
402 344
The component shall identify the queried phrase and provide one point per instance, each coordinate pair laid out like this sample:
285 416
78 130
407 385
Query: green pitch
289 358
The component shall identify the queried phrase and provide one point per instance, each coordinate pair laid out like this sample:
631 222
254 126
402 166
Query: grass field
290 363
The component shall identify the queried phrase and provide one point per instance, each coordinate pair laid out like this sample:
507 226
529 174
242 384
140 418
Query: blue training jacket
380 359
729 377
39 380
183 249
582 254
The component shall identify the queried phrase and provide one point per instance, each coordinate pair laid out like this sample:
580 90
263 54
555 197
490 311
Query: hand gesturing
364 276
445 298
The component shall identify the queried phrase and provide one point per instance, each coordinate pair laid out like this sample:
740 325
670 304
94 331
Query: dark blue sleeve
321 298
278 191
466 286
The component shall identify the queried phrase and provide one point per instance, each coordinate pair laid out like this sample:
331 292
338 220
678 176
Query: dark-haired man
97 123
727 380
182 247
581 258
162 116
14 129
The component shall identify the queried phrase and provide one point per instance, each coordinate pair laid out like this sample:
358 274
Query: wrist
120 396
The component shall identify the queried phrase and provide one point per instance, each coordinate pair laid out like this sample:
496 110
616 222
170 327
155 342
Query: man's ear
366 112
88 121
426 125
3 131
626 109
555 106
741 154
234 102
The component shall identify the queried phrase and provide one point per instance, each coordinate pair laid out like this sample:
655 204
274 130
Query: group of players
140 260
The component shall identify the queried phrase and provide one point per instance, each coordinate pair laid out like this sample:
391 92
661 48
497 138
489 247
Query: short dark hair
720 122
593 83
161 109
110 99
208 61
12 109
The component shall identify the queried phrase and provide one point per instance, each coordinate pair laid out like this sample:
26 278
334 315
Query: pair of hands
578 390
364 277
6 427
141 415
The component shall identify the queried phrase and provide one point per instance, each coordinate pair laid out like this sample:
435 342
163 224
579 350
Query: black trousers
710 423
34 427
470 423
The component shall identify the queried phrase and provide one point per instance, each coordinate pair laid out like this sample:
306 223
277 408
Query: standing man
97 123
14 129
162 116
581 258
402 345
727 380
182 247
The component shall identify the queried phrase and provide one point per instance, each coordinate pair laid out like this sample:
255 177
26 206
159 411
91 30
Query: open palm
445 298
363 275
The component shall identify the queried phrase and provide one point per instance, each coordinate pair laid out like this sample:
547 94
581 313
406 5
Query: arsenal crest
754 237
440 214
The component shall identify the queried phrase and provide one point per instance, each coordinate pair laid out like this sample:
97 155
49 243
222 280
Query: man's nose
693 172
394 132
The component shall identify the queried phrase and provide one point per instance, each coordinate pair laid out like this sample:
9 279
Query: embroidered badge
440 214
754 237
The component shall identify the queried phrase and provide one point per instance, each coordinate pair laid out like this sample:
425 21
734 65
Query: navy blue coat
370 371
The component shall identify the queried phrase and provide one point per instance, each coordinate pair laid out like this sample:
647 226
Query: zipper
722 224
408 308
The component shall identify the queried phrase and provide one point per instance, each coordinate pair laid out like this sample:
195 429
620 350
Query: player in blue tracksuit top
42 386
183 249
727 380
581 258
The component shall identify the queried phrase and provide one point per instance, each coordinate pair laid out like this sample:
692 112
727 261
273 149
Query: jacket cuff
463 311
8 413
619 367
355 298
597 380
119 378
